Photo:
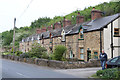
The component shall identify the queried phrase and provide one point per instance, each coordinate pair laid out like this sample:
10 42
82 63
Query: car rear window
114 60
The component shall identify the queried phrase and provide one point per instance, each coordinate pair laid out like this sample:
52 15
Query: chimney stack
66 22
50 27
96 14
80 19
38 31
57 25
44 29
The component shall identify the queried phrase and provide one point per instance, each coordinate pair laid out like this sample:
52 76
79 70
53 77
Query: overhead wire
25 9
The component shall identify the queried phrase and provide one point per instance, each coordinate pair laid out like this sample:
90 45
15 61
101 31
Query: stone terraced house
83 40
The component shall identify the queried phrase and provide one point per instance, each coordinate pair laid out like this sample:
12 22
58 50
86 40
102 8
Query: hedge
112 73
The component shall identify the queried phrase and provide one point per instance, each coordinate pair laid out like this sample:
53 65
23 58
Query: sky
26 11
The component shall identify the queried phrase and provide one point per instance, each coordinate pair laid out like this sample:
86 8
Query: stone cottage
83 40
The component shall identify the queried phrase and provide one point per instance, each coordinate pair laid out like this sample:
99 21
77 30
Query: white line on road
22 75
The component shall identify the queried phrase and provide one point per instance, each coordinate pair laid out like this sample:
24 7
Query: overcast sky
9 9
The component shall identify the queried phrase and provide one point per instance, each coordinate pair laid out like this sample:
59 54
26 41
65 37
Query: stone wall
72 44
54 63
92 43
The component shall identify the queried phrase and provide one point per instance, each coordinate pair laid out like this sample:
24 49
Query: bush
17 53
45 56
37 51
24 55
51 56
59 52
108 73
6 53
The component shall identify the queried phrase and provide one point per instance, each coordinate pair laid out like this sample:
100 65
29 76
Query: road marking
22 75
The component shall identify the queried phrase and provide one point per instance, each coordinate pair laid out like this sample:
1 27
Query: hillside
7 36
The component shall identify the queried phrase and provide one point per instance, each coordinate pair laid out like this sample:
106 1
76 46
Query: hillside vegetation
7 36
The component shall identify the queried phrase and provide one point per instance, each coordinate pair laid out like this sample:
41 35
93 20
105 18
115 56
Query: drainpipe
100 41
111 39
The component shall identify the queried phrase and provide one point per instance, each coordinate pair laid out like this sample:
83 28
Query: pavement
14 69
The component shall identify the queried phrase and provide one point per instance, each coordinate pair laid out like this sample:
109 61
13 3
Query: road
13 69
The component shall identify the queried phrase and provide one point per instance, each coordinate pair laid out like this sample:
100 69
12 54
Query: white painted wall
116 40
107 39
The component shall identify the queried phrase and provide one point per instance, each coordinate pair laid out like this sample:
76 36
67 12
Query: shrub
17 53
108 73
51 56
37 51
59 51
6 53
24 55
45 56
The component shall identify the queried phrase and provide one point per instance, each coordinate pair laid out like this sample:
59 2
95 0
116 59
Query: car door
113 62
118 62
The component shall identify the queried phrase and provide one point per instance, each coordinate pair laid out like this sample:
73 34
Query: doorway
88 55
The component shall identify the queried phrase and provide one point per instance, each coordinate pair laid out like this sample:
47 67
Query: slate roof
101 22
74 29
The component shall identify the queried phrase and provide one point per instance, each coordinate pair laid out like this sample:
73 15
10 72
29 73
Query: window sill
81 60
80 39
62 41
116 36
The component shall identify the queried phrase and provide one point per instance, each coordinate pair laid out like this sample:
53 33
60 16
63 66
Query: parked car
114 62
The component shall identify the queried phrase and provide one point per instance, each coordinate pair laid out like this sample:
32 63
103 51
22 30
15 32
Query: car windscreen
118 62
114 60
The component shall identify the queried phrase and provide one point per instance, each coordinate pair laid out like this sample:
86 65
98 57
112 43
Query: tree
7 37
37 51
59 51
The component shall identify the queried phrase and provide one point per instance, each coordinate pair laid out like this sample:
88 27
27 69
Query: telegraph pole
14 36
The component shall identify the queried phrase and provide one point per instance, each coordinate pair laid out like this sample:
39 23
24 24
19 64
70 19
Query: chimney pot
93 8
44 29
50 27
96 14
57 25
66 22
79 18
38 31
78 13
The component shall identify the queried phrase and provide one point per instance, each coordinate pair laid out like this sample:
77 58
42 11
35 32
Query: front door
88 55
71 54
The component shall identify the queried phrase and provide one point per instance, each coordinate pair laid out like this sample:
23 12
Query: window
28 43
63 35
81 53
32 39
81 50
51 40
82 56
116 32
22 40
95 55
71 54
81 34
28 49
38 38
42 39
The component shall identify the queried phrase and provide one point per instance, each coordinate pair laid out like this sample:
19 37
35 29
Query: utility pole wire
25 9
